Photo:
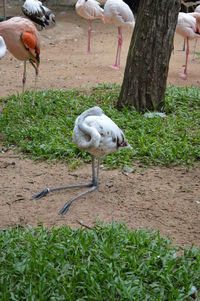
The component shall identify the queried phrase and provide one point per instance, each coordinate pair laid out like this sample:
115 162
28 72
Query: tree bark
149 53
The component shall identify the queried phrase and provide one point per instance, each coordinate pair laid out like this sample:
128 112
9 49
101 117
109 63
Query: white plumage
197 9
89 10
120 14
98 134
188 27
38 13
2 47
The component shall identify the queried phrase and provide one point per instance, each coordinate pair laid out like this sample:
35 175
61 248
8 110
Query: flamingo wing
29 41
112 137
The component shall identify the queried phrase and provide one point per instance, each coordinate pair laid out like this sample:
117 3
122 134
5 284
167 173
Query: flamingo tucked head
197 17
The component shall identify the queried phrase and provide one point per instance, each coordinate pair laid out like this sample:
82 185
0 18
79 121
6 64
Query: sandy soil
167 199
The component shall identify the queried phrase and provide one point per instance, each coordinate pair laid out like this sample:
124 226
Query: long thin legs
24 80
183 49
95 180
184 42
119 47
89 35
92 186
184 74
36 80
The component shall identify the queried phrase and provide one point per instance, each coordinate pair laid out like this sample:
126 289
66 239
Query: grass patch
45 131
109 262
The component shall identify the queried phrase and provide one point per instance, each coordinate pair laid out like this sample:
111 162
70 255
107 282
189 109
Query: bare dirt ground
167 199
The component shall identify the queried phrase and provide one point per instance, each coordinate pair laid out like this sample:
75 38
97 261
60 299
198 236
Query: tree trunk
148 58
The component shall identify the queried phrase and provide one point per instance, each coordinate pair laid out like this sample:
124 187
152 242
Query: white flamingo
99 135
2 47
89 10
38 13
187 26
120 14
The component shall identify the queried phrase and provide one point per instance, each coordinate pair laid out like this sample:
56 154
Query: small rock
127 169
109 184
155 114
193 292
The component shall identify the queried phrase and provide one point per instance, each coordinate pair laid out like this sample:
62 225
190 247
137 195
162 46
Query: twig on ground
86 226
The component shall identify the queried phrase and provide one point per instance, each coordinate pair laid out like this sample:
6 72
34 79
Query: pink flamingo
22 40
120 14
89 10
188 27
2 47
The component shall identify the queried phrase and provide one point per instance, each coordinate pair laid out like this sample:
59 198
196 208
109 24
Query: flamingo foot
183 75
87 52
115 67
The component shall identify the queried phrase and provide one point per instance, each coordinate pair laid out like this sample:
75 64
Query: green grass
107 263
45 131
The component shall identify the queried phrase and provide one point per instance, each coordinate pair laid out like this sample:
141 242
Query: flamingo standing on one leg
89 10
2 47
119 13
99 135
22 40
187 27
189 4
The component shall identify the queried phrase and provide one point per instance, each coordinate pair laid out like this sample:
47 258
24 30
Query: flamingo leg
117 60
183 49
93 186
184 74
89 35
95 182
24 81
36 80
